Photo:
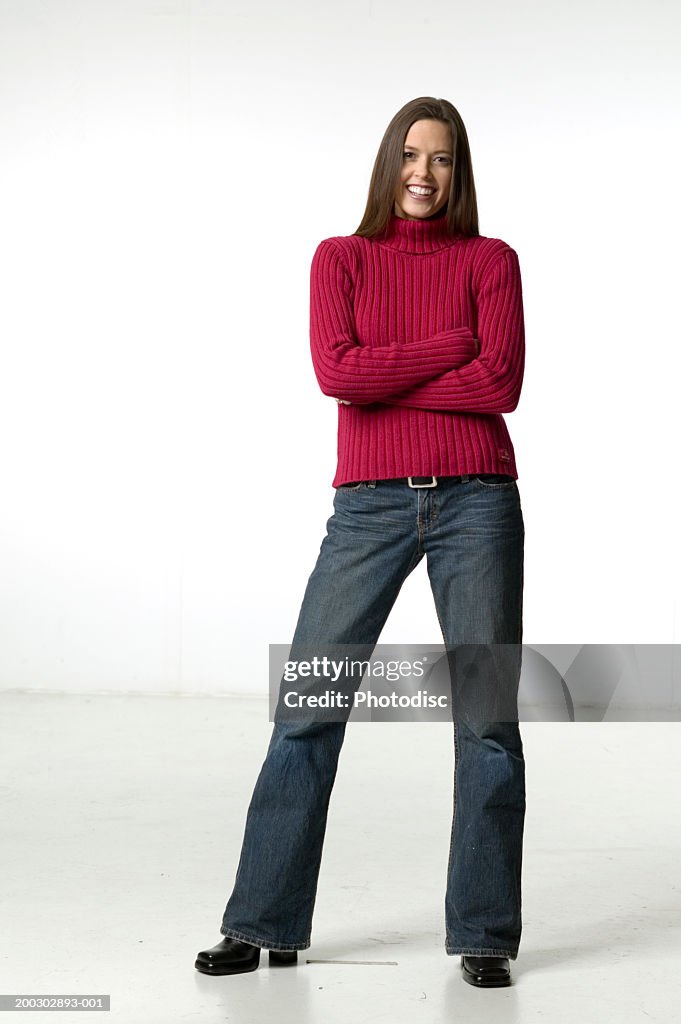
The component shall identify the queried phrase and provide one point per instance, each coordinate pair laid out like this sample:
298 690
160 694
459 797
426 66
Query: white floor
122 819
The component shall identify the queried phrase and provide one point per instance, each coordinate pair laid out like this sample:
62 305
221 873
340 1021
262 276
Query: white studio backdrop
168 168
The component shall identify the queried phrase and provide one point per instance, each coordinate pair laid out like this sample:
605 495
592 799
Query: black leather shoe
486 971
232 956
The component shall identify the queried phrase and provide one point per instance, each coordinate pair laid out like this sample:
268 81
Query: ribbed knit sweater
423 335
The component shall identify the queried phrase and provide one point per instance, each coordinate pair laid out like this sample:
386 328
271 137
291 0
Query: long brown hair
461 207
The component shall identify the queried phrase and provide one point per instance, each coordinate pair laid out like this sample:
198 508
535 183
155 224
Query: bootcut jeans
471 530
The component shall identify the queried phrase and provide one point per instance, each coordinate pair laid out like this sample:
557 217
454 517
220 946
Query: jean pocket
350 486
494 481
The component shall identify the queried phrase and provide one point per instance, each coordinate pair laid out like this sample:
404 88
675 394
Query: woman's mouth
422 196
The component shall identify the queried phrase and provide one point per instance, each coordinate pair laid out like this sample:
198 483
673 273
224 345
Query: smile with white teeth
418 190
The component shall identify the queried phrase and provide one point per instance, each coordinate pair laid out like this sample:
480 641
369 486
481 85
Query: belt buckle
418 486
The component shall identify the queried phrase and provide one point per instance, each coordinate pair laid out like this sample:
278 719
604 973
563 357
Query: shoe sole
478 983
206 968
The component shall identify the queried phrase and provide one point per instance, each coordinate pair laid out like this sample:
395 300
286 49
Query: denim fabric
471 531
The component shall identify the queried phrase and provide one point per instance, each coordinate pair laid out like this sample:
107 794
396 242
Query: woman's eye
445 158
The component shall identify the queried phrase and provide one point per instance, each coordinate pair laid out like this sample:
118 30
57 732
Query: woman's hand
341 401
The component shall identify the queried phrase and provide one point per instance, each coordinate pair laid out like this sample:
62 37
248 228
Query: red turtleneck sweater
423 335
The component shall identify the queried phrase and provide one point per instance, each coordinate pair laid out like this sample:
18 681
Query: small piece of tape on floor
373 963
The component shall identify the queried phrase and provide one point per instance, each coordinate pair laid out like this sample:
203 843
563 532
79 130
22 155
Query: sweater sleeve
361 373
490 383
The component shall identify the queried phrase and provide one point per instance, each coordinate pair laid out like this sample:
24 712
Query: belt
413 481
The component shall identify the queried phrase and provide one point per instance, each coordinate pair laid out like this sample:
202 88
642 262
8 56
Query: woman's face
427 160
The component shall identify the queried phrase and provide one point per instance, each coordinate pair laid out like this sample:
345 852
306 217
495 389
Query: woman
417 332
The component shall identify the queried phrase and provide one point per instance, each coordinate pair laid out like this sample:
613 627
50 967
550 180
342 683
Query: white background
167 171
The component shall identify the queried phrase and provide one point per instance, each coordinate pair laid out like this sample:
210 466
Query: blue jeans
471 530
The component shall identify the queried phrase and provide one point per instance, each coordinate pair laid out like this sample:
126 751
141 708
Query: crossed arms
452 370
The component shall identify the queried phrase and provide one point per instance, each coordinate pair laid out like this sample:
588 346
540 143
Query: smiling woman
425 142
426 175
416 331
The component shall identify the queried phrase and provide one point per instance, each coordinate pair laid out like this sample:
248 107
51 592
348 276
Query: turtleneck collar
417 236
